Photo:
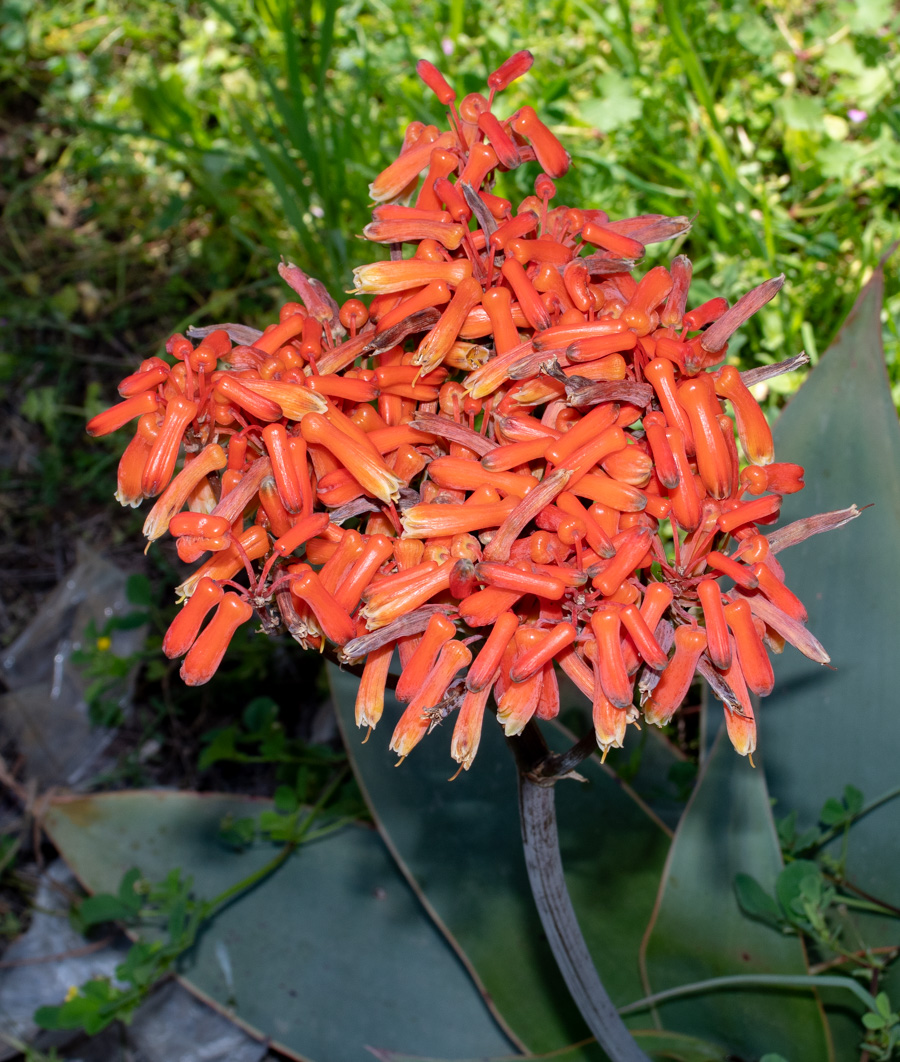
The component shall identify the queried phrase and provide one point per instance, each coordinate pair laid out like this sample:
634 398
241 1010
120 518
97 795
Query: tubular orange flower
384 604
753 428
119 415
204 657
755 665
530 662
414 723
391 181
175 496
370 470
520 700
643 637
335 622
506 577
370 695
674 681
467 731
439 630
383 277
164 452
131 469
698 400
436 345
550 153
183 630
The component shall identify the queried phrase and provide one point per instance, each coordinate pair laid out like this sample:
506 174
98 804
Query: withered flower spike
768 372
583 392
477 205
458 433
244 335
718 334
800 530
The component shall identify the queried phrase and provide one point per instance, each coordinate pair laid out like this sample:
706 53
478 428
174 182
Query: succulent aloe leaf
699 931
823 729
329 954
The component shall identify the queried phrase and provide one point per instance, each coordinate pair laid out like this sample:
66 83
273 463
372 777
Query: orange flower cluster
517 456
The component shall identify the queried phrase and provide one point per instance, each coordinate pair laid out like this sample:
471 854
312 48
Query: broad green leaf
700 932
459 843
755 901
329 954
661 1046
823 729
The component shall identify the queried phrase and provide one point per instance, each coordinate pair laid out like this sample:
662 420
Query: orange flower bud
428 520
410 273
753 428
257 405
364 465
739 573
153 372
183 630
643 637
752 512
601 488
755 664
531 661
697 398
610 661
509 70
483 608
482 159
631 548
118 416
439 630
503 145
718 639
164 453
660 373
705 314
334 621
206 654
520 700
210 459
602 236
778 593
507 577
675 681
629 465
436 81
441 338
131 469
